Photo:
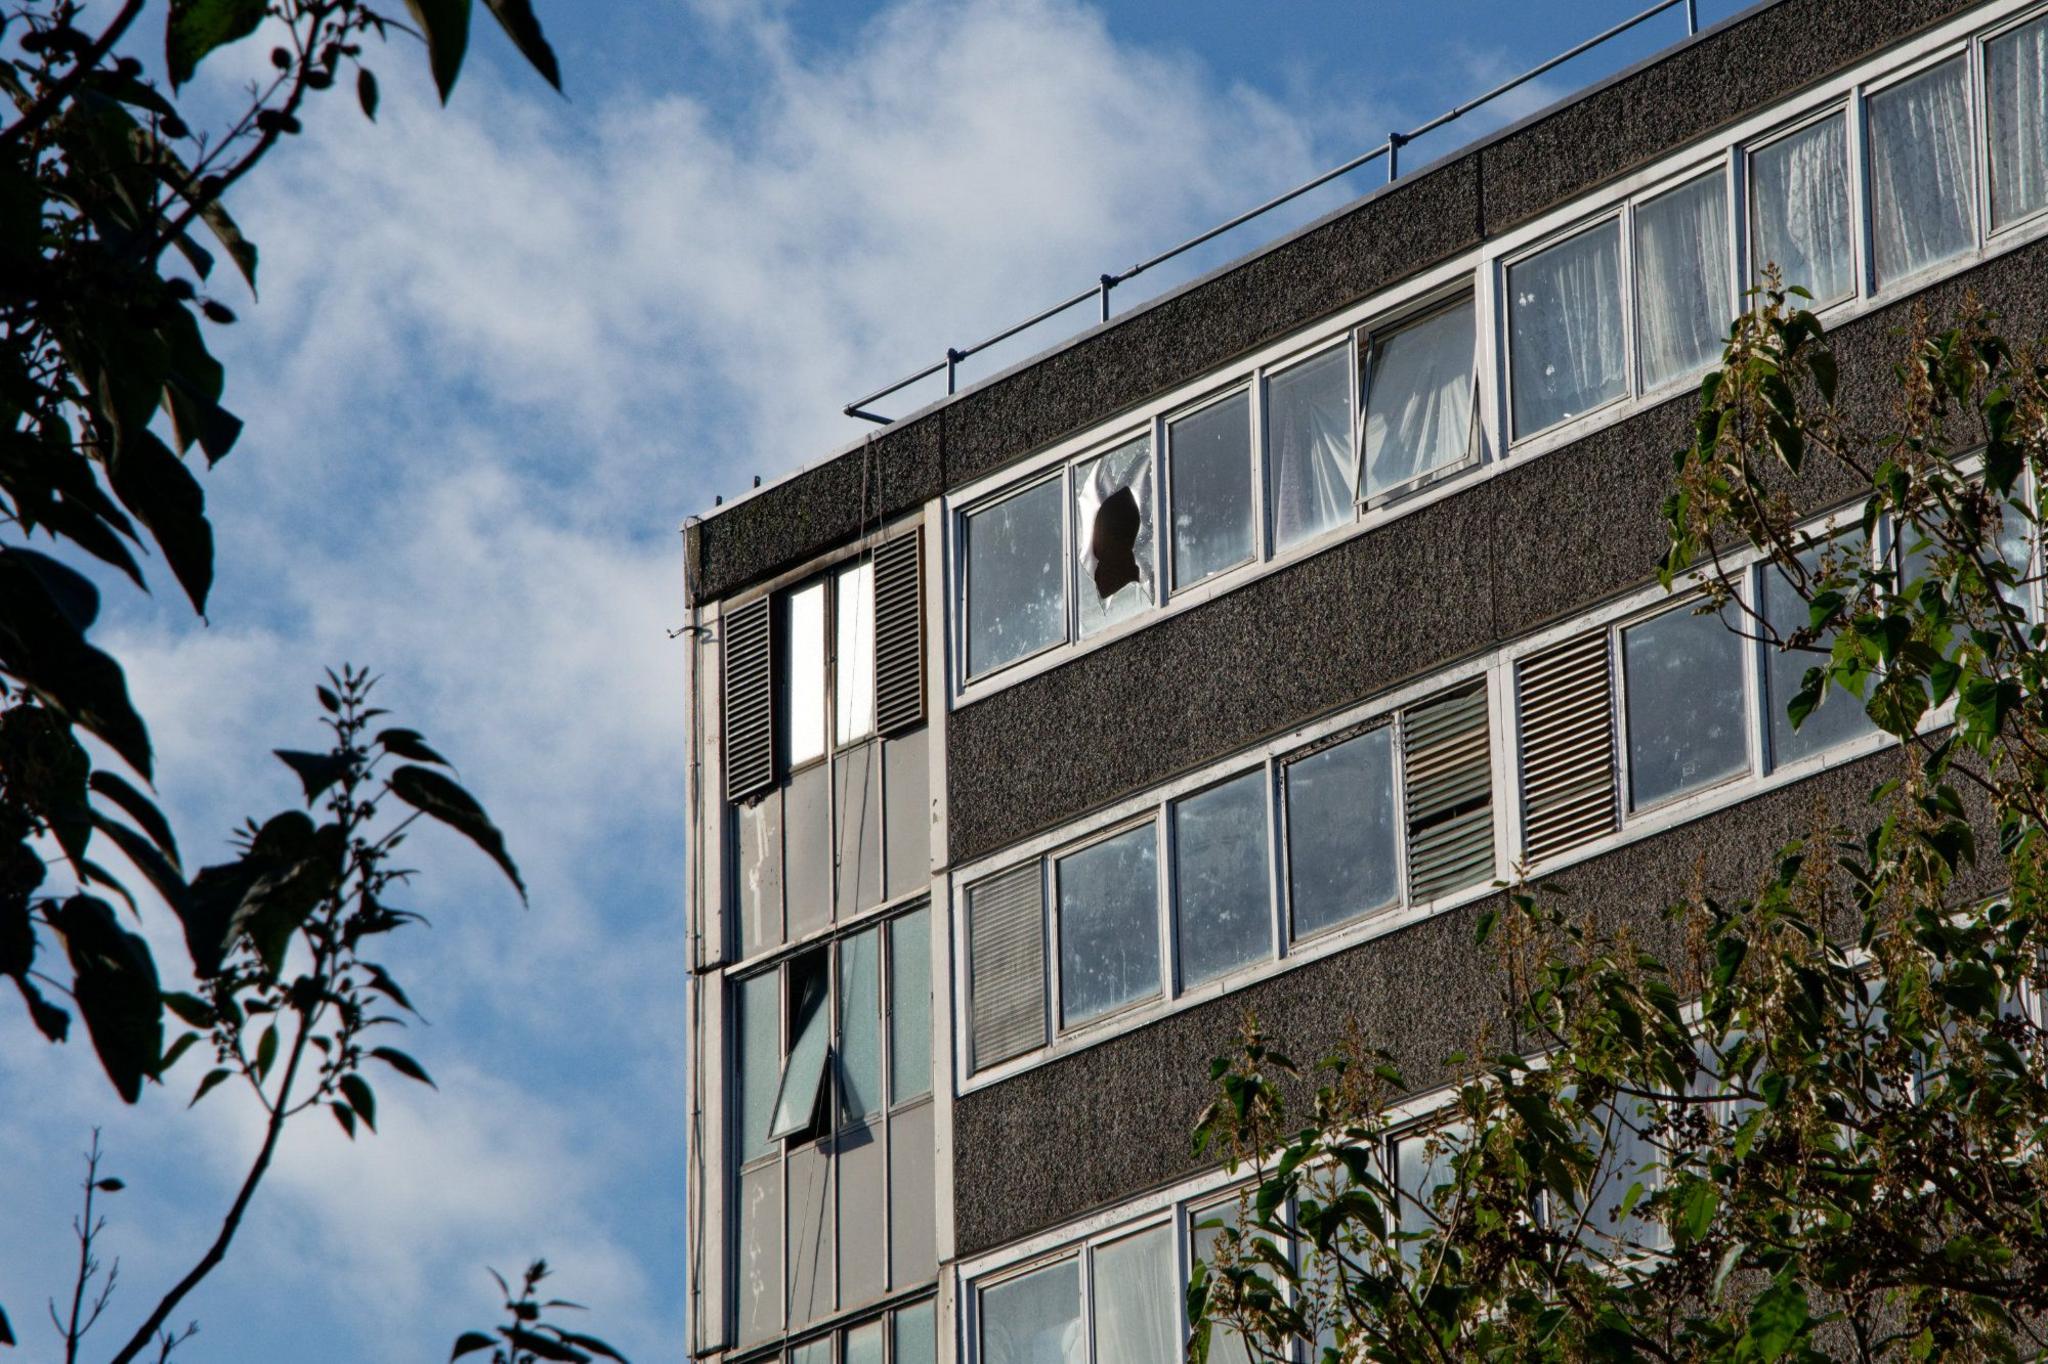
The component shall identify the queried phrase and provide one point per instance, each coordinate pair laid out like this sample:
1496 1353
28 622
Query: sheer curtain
1920 171
1564 333
1800 186
1035 1319
1136 1321
1308 424
1682 305
1418 415
2018 69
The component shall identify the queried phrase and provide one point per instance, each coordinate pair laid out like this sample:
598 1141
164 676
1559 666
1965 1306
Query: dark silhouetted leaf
140 809
407 744
197 27
446 26
115 986
213 1077
517 19
361 1099
316 771
366 93
154 484
434 794
404 1065
469 1342
139 850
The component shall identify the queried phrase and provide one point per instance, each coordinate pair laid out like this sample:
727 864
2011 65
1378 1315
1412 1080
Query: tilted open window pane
910 1006
760 1052
1034 1318
1840 716
1114 540
1016 578
1109 924
803 1073
1799 198
804 735
1682 676
1136 1321
1223 913
1564 329
1682 304
1210 461
1921 171
860 1024
1418 411
1342 834
2016 67
854 700
1308 443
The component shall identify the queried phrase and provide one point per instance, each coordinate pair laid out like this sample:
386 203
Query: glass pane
1223 904
910 1006
863 1189
864 1344
812 1352
1683 680
758 878
1921 170
1016 586
1211 458
1113 534
914 1333
803 1074
1626 1158
1682 304
1308 447
913 1225
1340 832
1205 1234
854 700
1799 187
2017 68
1034 1319
807 849
811 1224
804 678
759 1028
1109 924
1564 329
1136 1299
1418 417
757 1278
1423 1163
1840 716
857 801
907 811
860 1024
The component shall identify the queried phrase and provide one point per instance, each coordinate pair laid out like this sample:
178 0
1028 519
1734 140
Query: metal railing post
1395 141
1692 17
1108 283
953 359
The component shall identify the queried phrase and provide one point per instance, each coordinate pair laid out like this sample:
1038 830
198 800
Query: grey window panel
757 1280
2016 95
807 849
860 1024
749 700
857 795
1683 701
811 1236
907 811
913 1229
1108 924
1423 1163
803 1074
759 1030
1034 1318
1006 965
1210 463
899 633
1136 1299
910 1006
1222 882
1343 845
863 1344
1566 700
757 880
863 1246
914 1334
1449 783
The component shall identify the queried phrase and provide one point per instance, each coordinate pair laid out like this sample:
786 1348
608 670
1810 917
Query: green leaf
115 986
516 18
435 795
155 485
316 771
197 27
445 23
1779 1318
404 1065
469 1342
361 1099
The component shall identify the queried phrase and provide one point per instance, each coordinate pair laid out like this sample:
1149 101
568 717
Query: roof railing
1390 149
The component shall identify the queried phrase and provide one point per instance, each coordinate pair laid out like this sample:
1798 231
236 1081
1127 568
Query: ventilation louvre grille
1566 698
1449 785
749 700
899 634
1006 965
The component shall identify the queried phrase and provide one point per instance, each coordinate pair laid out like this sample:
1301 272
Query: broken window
1682 677
797 1111
1109 924
1016 578
1314 468
1419 403
1113 535
1222 909
1210 464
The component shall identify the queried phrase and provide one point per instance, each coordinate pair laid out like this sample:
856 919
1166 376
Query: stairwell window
1420 417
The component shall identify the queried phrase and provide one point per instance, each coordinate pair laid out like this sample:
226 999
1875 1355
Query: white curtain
1920 171
2018 69
1565 329
1035 1319
1308 427
1418 416
1801 189
1136 1316
1127 467
1682 304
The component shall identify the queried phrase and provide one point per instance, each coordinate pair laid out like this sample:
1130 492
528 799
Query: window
804 715
1016 579
1565 341
1840 717
1034 1318
803 1070
1681 264
908 1335
1205 1244
1625 1160
1109 924
1799 193
1135 1297
1342 846
1314 469
2016 74
1223 916
854 695
1113 535
1209 468
1425 1161
1419 409
1686 706
1129 1313
1921 172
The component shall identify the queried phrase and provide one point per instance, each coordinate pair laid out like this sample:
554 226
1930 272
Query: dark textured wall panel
1389 235
1113 1121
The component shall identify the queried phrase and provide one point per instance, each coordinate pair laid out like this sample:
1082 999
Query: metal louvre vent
899 633
1566 703
1449 786
749 700
1006 965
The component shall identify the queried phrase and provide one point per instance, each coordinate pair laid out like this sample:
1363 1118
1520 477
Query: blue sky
502 350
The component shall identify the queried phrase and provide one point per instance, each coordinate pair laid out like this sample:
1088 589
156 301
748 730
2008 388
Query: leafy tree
527 1337
1801 1122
